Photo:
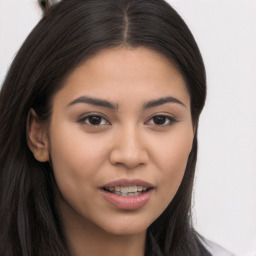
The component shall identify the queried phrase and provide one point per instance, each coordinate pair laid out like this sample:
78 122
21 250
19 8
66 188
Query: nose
128 149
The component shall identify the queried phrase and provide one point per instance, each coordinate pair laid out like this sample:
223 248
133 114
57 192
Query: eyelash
85 120
168 120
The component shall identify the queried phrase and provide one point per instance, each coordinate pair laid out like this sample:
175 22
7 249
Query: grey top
215 249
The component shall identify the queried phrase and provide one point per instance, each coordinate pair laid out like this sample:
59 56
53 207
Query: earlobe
37 138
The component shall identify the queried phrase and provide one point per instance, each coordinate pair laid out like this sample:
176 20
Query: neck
88 240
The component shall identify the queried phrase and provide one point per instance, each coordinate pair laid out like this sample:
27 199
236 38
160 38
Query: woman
99 115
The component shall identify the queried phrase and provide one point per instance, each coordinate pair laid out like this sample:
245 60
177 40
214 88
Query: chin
126 228
125 232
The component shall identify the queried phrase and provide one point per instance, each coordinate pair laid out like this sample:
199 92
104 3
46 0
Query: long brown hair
70 32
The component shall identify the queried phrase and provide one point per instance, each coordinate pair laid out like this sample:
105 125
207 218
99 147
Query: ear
37 137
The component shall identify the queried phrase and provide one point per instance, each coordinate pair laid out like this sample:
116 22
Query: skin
127 143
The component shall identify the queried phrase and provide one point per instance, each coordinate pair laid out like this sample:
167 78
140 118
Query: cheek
172 161
76 157
172 150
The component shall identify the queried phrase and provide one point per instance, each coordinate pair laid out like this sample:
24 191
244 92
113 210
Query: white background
225 193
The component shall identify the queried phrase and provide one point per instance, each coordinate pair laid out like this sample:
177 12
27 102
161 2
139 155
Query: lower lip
127 202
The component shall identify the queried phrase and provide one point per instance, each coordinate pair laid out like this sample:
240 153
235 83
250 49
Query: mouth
133 190
127 194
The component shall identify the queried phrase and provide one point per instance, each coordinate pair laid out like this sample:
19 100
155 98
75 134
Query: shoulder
215 249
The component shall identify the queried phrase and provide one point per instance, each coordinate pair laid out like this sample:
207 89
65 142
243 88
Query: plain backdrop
224 205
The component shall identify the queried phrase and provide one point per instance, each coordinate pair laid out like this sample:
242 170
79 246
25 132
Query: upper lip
128 182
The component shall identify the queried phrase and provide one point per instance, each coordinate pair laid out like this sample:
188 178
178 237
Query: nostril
130 159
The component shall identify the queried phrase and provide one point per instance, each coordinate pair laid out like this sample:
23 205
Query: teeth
128 194
133 189
118 189
127 189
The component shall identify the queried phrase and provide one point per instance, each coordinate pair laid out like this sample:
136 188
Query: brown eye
94 120
161 120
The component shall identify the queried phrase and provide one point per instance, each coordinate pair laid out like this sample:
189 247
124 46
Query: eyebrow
95 102
161 101
107 104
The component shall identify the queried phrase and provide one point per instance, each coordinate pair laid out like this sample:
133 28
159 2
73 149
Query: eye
161 120
94 120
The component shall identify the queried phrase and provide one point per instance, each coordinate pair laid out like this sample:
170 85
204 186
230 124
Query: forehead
117 72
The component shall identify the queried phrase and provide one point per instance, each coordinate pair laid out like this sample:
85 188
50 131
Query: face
119 138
